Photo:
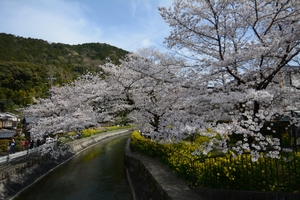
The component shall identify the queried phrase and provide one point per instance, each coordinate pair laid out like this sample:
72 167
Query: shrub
226 171
90 132
3 145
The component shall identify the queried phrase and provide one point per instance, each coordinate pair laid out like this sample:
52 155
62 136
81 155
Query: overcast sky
127 24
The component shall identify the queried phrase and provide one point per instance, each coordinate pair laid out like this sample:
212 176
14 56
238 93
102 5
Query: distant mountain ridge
29 66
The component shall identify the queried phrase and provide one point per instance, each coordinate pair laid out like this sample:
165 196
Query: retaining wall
143 184
150 179
84 143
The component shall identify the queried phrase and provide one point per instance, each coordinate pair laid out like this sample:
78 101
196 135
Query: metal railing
267 174
227 172
9 157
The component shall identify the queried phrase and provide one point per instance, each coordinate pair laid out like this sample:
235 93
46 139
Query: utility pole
51 80
51 74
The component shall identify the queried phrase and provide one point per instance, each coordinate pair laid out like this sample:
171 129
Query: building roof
9 116
5 134
31 120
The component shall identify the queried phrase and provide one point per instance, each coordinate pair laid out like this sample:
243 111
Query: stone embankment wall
143 184
150 179
25 171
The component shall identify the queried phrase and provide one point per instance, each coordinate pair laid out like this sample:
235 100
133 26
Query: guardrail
9 157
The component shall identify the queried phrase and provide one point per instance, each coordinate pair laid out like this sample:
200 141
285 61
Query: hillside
29 66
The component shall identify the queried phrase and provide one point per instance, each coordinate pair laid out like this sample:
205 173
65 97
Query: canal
96 173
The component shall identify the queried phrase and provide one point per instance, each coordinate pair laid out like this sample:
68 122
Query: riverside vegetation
218 170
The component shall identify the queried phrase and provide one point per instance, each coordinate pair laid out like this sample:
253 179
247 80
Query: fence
267 174
9 157
226 172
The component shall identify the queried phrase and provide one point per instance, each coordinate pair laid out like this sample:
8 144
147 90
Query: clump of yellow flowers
226 171
90 132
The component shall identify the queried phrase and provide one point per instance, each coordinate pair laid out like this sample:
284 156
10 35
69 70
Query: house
8 125
9 121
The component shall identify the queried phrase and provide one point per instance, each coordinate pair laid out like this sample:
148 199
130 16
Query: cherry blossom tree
71 107
238 48
150 81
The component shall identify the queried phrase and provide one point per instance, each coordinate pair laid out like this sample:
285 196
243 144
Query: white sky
127 24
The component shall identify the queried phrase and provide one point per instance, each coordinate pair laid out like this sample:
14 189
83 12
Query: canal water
96 173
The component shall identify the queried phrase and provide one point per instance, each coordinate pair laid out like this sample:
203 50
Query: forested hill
29 66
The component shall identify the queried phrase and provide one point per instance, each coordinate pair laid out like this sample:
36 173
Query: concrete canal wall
150 179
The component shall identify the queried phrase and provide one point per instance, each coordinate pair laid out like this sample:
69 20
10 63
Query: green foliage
241 173
20 81
226 172
27 64
90 132
287 139
3 145
118 127
18 140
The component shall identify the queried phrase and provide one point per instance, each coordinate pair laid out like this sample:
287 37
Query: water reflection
97 173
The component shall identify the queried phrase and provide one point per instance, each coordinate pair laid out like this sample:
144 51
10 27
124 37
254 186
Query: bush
90 132
3 145
226 171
